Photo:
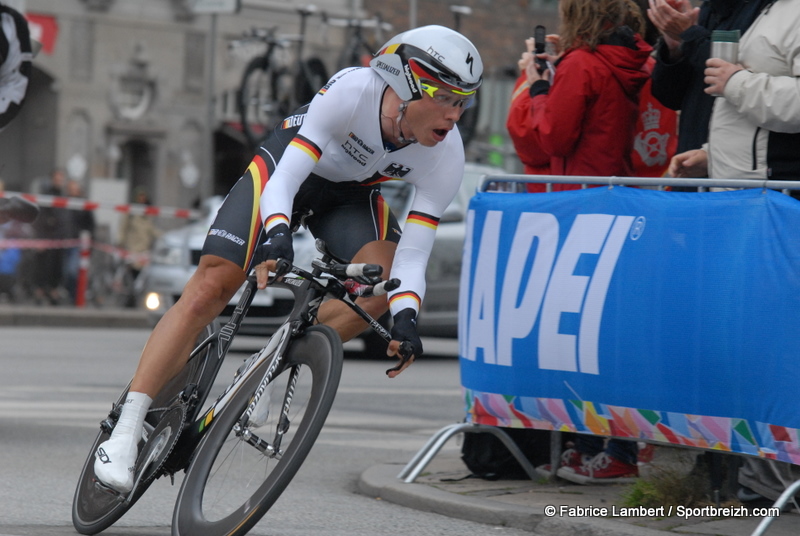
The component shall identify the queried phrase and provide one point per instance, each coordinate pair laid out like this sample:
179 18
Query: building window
81 52
194 62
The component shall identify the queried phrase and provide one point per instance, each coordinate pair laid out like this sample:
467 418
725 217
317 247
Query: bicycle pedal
108 490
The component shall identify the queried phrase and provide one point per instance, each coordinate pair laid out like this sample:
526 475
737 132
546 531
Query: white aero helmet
434 53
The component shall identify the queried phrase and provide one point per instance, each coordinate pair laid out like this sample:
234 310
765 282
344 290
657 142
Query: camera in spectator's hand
540 39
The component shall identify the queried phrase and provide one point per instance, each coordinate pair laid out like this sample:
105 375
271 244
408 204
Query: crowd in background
631 89
45 269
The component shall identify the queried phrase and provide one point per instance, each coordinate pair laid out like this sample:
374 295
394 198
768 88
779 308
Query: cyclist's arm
433 193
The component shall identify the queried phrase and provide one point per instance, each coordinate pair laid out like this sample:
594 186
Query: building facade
142 93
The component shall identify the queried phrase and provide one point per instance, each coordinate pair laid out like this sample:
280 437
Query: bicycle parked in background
273 86
360 48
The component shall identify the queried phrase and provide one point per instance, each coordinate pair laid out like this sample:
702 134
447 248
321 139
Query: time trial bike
241 451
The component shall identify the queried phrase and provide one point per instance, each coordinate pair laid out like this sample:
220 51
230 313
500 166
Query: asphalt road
56 384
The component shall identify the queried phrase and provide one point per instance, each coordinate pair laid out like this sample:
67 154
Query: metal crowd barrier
416 465
659 183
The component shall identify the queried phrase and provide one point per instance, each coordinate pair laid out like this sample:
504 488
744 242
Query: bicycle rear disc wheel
231 484
95 508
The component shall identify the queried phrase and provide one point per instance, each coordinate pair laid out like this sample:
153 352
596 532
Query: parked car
176 254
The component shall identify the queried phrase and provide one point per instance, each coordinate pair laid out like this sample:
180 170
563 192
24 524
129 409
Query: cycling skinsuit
325 165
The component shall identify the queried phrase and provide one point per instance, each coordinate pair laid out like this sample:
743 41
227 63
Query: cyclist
322 168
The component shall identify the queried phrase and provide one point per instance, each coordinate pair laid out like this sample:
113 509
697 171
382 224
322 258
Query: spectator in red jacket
585 121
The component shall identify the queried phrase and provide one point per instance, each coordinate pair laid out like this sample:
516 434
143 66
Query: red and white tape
47 243
77 203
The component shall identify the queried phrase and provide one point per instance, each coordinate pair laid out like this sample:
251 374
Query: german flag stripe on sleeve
307 146
403 295
275 219
259 175
422 219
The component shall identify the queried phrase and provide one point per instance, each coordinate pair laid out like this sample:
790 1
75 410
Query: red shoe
602 469
646 453
569 458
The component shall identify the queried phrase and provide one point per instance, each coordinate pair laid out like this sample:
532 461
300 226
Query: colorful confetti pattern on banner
712 433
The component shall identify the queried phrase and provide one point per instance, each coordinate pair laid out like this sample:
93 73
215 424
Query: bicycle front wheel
236 476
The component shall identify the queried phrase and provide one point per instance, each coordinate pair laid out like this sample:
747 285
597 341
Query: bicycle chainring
160 444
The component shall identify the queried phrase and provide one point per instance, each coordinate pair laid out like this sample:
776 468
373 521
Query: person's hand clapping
672 18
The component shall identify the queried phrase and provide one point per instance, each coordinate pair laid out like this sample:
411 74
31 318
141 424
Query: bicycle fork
274 449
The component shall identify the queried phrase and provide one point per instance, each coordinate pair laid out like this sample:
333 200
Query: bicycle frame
309 294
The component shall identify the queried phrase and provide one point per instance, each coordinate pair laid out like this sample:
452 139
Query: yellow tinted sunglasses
448 97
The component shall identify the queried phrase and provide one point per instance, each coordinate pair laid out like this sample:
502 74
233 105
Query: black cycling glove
405 330
278 245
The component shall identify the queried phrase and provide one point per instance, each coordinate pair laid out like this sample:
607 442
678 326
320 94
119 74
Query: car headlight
152 301
168 255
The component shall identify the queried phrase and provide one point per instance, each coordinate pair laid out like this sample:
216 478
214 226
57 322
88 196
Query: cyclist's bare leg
165 353
204 297
338 315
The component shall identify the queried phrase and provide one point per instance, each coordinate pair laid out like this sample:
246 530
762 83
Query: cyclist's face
433 116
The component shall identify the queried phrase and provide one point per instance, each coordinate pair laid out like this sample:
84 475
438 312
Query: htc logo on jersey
541 282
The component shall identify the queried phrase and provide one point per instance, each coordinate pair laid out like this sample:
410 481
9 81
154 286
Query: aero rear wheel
94 507
231 483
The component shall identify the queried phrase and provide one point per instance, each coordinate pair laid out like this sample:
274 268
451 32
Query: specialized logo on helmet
470 61
388 68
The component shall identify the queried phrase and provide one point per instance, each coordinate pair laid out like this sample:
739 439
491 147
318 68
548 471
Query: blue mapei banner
666 316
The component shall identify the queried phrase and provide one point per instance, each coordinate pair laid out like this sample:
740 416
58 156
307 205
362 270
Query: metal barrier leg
421 460
785 497
424 450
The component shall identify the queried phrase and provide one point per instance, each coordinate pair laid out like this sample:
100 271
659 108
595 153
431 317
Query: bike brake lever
405 354
282 267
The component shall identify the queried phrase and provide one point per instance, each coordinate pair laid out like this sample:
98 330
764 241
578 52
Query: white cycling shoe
115 461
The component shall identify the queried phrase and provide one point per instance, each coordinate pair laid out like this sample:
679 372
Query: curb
27 315
381 481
